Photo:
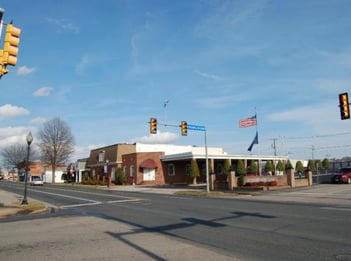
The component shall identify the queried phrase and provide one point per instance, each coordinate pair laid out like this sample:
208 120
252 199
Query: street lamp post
29 140
107 174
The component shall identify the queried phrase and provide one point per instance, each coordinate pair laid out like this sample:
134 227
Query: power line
316 136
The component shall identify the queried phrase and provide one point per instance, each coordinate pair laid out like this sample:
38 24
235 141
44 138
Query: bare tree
14 156
56 143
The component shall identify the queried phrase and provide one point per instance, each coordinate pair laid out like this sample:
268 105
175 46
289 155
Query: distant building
159 164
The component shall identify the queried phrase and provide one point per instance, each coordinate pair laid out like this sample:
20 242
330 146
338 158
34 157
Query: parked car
343 176
36 181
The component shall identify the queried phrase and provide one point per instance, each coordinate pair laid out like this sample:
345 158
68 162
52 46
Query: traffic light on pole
11 43
153 125
344 106
184 128
3 69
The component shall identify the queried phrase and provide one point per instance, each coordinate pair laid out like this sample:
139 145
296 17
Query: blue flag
255 141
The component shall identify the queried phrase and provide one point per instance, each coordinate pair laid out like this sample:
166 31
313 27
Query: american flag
248 122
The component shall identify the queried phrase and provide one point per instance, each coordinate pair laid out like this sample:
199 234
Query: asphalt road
269 226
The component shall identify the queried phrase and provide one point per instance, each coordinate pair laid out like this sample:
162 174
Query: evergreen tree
280 166
289 165
326 164
120 176
311 165
269 167
226 167
240 168
241 172
194 170
253 167
299 166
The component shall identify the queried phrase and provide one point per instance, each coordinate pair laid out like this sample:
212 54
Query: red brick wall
135 159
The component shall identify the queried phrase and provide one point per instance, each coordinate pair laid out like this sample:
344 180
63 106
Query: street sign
196 127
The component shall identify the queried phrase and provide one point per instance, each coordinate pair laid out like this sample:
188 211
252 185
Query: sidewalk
10 205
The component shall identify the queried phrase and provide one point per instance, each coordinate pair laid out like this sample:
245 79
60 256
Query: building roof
190 155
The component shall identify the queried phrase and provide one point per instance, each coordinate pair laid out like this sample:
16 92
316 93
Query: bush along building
161 164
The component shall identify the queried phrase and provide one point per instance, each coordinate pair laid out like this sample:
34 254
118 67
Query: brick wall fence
285 180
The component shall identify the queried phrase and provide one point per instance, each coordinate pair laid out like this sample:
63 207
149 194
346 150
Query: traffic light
11 43
3 69
344 106
153 125
184 128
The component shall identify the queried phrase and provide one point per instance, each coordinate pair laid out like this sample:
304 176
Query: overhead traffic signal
3 69
11 43
153 125
344 106
184 128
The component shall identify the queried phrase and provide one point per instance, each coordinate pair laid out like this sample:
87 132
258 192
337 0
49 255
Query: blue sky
106 67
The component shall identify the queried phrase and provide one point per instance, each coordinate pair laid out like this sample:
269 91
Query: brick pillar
309 176
291 177
212 181
232 183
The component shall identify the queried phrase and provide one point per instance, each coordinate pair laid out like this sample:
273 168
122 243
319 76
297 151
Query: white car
36 181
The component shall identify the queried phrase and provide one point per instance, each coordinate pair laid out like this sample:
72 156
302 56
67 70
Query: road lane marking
66 196
82 205
122 200
336 208
91 202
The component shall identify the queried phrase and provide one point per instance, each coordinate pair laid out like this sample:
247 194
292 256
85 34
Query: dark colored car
344 176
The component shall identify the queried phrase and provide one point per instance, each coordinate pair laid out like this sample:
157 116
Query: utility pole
274 147
275 154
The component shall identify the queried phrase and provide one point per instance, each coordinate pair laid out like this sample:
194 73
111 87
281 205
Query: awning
148 164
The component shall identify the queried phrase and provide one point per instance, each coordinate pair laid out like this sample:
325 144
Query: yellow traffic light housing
3 69
184 128
153 125
344 106
11 43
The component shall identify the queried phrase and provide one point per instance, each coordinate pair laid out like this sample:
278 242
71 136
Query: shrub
120 176
274 183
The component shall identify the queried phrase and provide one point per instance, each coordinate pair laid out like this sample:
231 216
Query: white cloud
208 76
83 64
24 70
12 135
64 25
310 113
38 120
159 138
8 110
81 152
44 91
218 102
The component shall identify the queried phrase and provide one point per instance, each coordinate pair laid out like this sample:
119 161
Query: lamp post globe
29 140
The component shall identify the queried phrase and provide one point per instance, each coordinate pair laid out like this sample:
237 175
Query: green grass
32 207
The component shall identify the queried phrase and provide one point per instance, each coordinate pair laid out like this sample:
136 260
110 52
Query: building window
101 156
171 170
131 171
125 170
187 169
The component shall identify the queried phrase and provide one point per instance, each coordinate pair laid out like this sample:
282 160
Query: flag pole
256 119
